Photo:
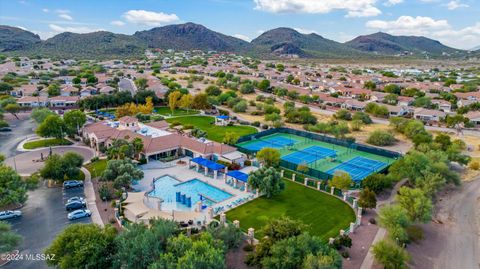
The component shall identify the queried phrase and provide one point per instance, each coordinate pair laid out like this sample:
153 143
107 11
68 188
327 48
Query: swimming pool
166 187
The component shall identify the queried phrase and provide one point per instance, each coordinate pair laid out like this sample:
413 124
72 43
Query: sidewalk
90 197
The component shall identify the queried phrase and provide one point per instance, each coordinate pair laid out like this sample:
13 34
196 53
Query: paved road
9 140
127 85
25 165
460 232
44 216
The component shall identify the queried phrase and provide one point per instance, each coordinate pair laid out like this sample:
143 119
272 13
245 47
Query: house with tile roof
158 142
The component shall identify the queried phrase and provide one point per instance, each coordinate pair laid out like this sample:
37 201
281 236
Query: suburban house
159 143
466 102
442 105
352 104
395 111
428 115
33 101
63 101
474 117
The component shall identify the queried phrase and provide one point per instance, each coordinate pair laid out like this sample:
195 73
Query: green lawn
165 111
46 143
324 214
97 168
214 132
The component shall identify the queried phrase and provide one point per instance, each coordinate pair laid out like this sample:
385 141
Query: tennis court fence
318 137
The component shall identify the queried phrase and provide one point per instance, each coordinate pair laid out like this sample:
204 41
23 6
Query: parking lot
44 216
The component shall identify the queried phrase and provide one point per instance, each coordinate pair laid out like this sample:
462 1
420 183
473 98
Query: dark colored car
5 129
72 184
75 205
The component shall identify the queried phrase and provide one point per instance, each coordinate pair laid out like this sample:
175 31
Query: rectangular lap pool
167 187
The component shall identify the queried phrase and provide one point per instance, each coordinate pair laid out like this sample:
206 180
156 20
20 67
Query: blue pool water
166 188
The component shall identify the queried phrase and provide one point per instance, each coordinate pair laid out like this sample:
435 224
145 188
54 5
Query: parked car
9 214
5 129
76 198
80 213
72 184
75 205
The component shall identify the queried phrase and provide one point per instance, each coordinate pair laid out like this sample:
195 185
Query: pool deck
183 173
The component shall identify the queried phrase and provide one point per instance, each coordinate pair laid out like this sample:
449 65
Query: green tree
362 116
230 138
264 85
213 90
52 126
269 157
370 85
185 252
390 255
139 246
292 252
137 144
64 167
12 188
381 138
341 180
267 180
230 235
40 114
417 205
74 120
377 182
367 199
343 114
83 246
9 240
247 88
173 100
392 88
141 83
5 87
121 149
121 172
12 109
395 220
53 90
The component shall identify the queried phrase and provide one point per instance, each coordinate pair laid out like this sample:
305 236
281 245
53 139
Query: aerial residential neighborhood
264 134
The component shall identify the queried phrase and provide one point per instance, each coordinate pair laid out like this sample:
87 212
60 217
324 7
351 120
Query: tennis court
358 167
277 142
309 155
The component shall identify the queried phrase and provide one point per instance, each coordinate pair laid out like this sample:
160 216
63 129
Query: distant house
352 104
32 101
63 101
378 96
466 102
405 100
474 117
396 111
106 90
68 91
443 105
428 115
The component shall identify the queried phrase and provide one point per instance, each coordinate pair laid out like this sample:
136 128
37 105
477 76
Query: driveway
44 216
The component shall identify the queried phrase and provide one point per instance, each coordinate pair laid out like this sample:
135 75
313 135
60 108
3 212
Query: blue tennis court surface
270 142
358 167
309 155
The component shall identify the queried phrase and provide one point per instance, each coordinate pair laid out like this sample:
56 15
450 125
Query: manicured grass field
325 215
214 132
96 168
46 143
165 111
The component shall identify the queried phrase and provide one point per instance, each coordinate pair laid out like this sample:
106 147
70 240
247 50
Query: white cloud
62 11
149 18
46 10
243 37
390 3
455 4
66 17
354 8
425 26
74 29
305 31
117 23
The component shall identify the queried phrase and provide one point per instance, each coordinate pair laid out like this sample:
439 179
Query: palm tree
137 146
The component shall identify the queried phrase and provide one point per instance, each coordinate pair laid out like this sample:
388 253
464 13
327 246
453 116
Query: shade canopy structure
223 117
238 175
207 163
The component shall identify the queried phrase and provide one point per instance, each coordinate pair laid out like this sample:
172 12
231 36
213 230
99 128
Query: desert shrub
381 138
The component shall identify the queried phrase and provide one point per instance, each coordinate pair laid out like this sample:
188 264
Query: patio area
145 206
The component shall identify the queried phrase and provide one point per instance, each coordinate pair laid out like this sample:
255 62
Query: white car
76 198
80 213
10 214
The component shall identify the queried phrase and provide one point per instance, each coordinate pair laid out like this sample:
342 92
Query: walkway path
90 197
369 259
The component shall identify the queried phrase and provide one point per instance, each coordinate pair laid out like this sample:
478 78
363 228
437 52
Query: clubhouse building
159 142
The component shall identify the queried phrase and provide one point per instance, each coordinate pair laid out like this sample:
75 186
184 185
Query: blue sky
453 22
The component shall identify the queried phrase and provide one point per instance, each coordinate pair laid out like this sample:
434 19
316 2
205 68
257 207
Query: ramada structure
159 143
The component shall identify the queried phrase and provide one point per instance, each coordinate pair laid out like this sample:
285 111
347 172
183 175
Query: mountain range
279 42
